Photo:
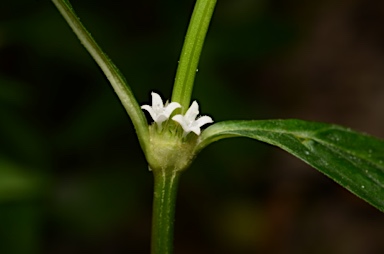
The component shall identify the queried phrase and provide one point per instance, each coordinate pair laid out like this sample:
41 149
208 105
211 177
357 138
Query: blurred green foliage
73 178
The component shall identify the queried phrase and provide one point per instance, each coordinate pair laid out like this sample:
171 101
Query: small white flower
158 112
189 122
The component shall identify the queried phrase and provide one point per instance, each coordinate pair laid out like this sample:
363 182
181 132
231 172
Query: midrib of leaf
299 135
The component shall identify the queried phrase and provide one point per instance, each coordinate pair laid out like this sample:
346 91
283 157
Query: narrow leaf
112 73
352 159
191 51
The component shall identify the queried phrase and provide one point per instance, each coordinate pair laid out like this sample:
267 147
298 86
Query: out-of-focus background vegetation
73 178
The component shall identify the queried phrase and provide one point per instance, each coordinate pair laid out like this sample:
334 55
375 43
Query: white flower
158 112
189 122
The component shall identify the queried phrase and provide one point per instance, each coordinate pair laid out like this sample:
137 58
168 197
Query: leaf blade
352 159
110 70
190 54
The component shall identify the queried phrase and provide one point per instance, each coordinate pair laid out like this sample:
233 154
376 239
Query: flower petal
181 120
170 108
150 111
192 112
161 118
196 130
203 120
157 103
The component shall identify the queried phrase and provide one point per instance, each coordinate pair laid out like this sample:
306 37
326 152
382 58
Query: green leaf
190 54
112 73
352 159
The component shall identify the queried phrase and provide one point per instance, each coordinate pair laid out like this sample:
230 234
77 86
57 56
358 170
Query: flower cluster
188 122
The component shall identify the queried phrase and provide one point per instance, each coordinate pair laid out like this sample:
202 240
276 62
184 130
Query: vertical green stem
164 199
191 51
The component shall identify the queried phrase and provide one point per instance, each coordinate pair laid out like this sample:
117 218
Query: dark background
74 180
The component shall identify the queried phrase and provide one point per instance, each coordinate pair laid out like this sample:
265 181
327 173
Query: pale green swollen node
169 149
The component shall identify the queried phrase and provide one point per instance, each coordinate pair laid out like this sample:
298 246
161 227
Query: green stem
190 54
164 198
113 74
